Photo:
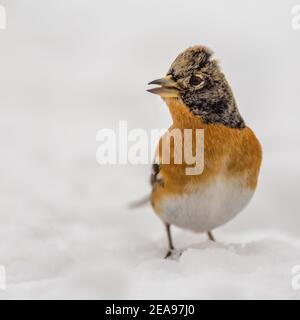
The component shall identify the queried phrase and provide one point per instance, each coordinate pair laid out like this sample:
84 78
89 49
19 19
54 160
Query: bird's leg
210 236
170 242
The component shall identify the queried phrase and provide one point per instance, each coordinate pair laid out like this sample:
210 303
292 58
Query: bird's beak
168 89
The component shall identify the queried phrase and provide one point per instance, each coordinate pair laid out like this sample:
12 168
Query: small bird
199 97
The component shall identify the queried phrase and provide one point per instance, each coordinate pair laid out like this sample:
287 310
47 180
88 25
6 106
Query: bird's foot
173 254
169 254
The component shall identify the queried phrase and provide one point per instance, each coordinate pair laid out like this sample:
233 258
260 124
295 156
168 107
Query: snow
65 227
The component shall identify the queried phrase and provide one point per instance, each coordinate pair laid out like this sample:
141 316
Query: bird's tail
139 203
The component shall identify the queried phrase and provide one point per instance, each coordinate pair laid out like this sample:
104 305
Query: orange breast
229 152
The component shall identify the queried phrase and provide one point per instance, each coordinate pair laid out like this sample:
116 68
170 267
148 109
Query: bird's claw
173 254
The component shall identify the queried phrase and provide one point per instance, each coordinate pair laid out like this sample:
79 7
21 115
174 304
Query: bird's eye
195 80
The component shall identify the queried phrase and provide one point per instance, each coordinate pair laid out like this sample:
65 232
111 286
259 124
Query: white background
69 68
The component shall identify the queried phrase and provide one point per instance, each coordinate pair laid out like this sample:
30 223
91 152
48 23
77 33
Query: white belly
208 207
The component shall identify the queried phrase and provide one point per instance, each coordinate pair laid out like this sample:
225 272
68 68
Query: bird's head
196 79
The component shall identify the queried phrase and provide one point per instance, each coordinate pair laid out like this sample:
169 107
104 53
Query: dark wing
155 178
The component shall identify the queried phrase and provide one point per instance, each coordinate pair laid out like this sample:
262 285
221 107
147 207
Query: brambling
199 97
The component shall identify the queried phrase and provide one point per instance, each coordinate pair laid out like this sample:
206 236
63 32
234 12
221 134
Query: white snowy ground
69 69
65 231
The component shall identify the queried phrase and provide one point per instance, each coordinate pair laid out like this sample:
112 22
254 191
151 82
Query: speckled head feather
204 88
190 60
